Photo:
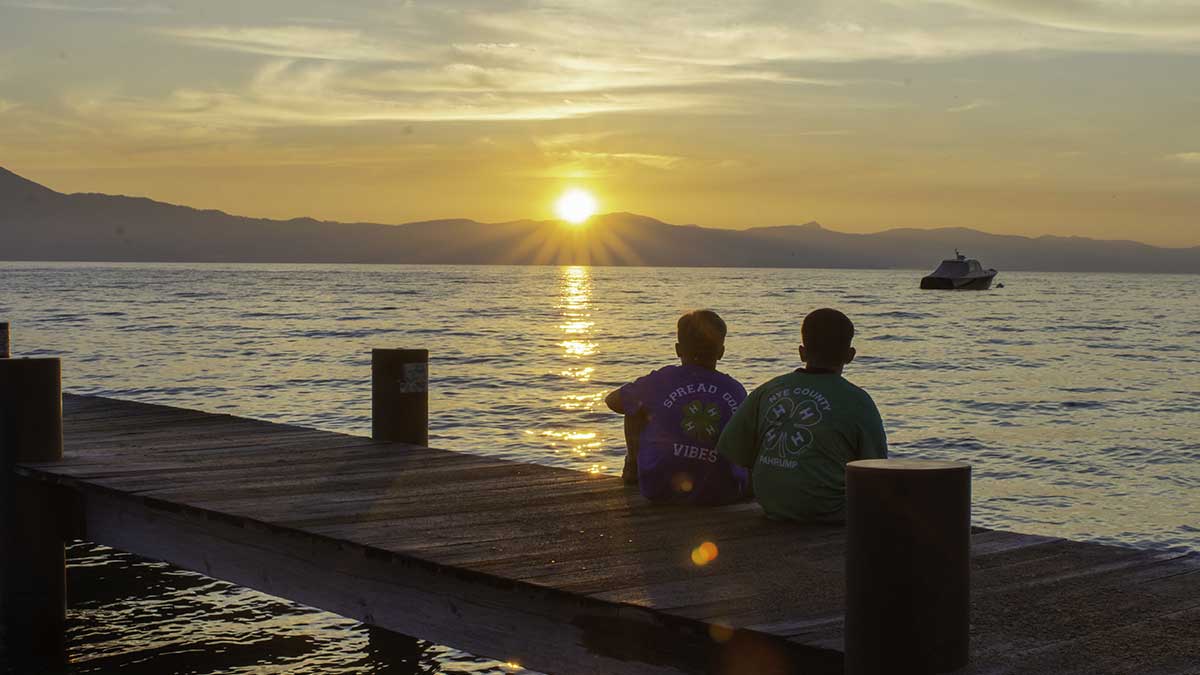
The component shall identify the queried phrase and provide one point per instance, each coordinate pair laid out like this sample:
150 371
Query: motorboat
959 274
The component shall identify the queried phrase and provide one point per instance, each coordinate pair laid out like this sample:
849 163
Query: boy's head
701 338
826 336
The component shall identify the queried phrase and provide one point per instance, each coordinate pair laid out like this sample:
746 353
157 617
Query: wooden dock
563 571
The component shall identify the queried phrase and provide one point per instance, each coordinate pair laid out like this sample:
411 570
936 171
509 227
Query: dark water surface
1073 396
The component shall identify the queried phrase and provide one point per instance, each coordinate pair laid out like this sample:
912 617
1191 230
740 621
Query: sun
575 206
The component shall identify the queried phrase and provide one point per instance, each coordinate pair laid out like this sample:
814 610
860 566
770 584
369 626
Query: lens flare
704 554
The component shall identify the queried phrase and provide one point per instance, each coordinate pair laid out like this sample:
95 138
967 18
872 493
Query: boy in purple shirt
674 416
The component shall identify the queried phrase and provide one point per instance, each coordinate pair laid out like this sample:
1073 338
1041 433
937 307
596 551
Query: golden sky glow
1013 116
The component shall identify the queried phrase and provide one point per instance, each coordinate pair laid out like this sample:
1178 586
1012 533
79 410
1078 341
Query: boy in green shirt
797 432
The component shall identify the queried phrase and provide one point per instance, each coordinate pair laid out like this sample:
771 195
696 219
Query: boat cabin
960 267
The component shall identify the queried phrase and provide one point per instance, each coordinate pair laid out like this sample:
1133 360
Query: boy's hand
629 473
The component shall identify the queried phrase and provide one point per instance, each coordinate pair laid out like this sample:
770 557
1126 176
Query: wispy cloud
1157 18
337 75
292 41
970 105
572 58
823 132
603 162
291 92
114 8
773 31
1191 158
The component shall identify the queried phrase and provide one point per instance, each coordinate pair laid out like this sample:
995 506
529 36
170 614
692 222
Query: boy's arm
873 441
739 438
630 397
627 400
634 424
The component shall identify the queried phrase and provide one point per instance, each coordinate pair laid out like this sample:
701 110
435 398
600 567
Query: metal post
400 395
908 566
33 564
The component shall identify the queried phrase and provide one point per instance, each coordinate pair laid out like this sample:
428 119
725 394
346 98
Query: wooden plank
1164 644
171 440
1024 618
226 454
312 458
223 461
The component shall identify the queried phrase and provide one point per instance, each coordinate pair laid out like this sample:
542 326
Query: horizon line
918 270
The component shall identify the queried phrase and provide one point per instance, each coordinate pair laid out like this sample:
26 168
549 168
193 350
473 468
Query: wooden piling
5 341
907 566
33 565
400 395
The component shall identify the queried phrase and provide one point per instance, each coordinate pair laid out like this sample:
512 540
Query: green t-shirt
797 432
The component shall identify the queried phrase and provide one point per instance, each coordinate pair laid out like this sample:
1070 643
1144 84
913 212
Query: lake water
1074 397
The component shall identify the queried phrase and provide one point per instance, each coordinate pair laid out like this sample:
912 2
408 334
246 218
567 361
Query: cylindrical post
33 564
5 341
400 395
908 566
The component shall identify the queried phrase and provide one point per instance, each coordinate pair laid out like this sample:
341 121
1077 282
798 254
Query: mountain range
37 223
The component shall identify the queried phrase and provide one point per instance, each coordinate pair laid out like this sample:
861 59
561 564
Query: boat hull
976 283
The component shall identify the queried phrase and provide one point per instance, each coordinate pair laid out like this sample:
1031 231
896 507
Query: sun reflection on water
577 330
576 327
579 347
578 374
575 305
585 402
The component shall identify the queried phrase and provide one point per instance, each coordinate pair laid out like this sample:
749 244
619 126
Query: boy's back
674 416
798 431
685 408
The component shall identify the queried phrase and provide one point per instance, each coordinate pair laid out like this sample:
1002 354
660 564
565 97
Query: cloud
771 33
1159 18
291 41
972 105
119 8
295 93
1190 158
541 60
442 69
616 159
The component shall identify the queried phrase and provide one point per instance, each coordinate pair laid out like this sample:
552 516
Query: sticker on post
414 378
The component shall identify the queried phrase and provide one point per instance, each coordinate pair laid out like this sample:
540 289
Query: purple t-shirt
687 407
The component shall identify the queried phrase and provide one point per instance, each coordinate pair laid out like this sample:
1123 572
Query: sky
1071 117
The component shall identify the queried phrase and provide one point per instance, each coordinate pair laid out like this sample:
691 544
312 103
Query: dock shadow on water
135 616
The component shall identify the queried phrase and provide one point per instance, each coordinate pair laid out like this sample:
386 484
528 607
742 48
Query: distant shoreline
39 224
319 263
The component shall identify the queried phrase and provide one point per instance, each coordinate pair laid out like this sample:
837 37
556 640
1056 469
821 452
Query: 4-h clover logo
789 427
701 421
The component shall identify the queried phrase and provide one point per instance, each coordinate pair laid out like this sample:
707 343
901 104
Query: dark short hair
827 332
702 332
